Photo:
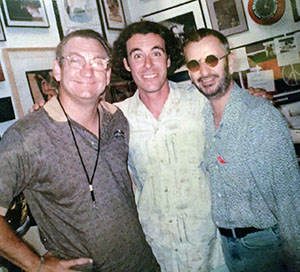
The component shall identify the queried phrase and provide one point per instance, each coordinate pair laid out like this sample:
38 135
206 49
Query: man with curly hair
165 151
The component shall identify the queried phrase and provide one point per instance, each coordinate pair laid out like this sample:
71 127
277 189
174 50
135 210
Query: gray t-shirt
38 157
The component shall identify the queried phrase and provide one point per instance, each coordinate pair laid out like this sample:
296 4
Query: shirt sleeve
276 173
14 163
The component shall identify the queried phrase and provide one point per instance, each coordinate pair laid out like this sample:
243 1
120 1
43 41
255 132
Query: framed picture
33 59
181 19
73 15
22 13
296 10
227 16
114 14
6 110
41 85
2 34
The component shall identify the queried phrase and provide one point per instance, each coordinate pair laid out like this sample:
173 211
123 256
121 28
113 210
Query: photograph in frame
2 33
24 13
41 85
227 16
114 14
33 59
74 15
6 110
296 10
2 77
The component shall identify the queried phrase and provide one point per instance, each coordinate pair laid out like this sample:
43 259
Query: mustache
199 79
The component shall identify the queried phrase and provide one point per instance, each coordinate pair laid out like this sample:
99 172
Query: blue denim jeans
259 251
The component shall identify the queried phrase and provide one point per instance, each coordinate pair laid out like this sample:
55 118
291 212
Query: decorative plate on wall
266 12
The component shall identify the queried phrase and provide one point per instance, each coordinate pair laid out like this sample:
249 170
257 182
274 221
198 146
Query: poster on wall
274 64
24 13
74 15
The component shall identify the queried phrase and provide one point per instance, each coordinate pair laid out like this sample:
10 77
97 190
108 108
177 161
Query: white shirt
172 192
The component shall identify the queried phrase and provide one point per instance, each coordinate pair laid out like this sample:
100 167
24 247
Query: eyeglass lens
211 61
78 62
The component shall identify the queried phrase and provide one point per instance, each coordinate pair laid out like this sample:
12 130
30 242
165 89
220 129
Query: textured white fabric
172 193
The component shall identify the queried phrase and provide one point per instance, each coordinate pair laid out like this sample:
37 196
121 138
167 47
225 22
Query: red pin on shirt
220 159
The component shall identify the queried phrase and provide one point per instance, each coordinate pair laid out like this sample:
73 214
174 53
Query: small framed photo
114 14
33 59
74 15
180 19
41 85
2 34
227 16
24 13
296 10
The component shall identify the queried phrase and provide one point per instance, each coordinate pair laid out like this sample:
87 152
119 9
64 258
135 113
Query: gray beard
222 87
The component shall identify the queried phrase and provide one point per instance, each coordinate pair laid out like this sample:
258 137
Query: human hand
37 106
51 264
257 92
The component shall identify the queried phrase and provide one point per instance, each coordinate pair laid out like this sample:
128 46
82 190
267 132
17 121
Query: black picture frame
74 18
2 33
296 10
30 14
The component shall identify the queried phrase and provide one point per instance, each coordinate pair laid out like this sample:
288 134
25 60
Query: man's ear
126 65
168 62
231 59
56 70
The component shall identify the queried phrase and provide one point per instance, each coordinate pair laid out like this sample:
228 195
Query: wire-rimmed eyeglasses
78 62
210 60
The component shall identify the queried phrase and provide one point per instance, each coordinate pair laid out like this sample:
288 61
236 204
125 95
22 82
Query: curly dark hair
172 44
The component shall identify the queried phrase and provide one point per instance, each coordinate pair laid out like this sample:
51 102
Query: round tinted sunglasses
211 61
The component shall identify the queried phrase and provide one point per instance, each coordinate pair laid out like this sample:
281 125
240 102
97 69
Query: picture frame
296 10
227 16
85 15
33 59
2 33
18 13
41 85
181 18
114 14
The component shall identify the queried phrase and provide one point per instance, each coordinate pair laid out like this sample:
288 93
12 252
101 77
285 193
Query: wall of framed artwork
114 14
20 13
32 59
80 15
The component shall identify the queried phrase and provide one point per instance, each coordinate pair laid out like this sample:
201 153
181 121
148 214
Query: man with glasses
70 161
250 161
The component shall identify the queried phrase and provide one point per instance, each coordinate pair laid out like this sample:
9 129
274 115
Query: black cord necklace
90 180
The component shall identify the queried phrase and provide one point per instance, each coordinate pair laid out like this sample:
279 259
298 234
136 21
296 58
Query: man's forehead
149 41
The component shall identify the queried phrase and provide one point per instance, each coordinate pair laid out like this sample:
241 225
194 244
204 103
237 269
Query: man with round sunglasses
250 161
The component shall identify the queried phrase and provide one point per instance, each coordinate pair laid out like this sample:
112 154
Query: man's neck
218 105
83 113
155 101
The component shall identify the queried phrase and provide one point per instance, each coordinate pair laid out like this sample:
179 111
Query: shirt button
170 221
219 194
166 190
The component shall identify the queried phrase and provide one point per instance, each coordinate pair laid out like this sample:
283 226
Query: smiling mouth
149 76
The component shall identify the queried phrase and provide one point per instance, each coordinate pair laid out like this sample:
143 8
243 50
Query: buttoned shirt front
253 170
172 193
